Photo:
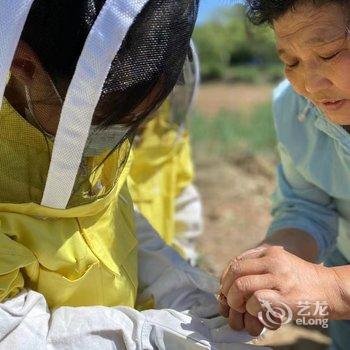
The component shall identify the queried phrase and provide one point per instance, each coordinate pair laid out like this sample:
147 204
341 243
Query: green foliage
254 74
212 43
229 132
230 40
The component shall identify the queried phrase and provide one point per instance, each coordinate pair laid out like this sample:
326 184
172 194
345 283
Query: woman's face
314 44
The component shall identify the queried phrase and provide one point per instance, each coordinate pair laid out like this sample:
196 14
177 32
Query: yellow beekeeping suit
85 255
161 169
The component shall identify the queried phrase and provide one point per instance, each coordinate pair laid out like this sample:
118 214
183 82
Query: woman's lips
333 106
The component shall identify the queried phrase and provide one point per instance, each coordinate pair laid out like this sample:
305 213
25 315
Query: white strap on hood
197 72
101 47
13 16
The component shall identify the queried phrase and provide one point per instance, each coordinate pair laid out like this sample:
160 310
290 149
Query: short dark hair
57 30
266 11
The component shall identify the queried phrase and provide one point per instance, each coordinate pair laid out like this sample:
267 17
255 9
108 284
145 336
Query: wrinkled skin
273 275
314 44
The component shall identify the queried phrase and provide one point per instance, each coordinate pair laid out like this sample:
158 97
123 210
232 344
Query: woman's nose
315 81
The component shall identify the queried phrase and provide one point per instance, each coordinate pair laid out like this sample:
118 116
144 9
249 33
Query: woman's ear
24 64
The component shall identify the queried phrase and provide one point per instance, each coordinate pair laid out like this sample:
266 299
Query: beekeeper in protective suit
162 171
76 80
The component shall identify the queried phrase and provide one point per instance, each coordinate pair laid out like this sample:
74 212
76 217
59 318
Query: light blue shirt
313 178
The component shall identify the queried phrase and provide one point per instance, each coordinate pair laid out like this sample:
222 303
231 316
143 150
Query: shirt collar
333 130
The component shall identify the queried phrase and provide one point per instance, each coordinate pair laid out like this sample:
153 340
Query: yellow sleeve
13 257
185 168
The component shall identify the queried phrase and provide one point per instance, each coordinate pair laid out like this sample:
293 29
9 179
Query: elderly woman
311 206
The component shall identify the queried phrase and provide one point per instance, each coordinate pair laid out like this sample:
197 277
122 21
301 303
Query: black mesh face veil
44 71
146 67
184 93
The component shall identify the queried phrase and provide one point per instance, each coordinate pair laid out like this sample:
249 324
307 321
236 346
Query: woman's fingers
254 253
252 325
244 287
267 306
224 309
239 268
236 320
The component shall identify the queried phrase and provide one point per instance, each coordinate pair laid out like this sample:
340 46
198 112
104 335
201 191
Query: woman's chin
339 119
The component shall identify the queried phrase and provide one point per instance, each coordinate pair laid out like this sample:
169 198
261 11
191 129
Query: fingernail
222 299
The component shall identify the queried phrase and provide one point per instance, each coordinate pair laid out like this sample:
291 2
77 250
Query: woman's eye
327 58
291 65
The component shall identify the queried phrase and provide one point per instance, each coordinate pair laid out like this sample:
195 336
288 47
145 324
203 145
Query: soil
217 96
235 195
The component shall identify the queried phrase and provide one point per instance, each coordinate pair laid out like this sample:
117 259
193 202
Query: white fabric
188 221
189 213
27 324
100 49
188 319
13 16
197 73
169 279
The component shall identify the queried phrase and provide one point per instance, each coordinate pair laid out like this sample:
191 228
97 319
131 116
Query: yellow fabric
85 255
25 167
161 169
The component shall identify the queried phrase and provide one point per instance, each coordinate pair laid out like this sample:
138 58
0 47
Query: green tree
212 42
229 40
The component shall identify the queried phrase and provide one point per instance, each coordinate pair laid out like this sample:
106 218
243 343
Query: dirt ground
216 96
236 196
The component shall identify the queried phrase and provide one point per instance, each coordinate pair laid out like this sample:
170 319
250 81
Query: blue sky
208 7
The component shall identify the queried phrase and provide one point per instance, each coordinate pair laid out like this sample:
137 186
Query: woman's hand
262 280
240 321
